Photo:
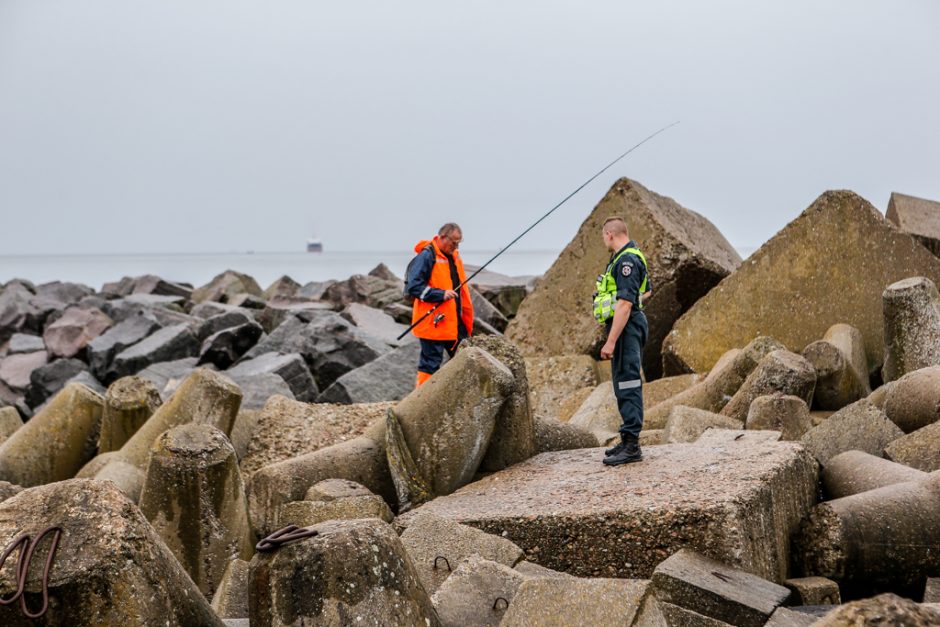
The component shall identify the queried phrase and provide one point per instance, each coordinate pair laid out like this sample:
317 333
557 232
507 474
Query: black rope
534 224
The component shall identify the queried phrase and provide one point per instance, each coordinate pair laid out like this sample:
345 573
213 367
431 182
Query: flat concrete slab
736 501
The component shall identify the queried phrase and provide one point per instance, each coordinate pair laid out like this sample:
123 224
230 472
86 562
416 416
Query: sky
216 126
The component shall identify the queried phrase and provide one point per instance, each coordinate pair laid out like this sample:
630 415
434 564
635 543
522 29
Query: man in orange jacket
432 279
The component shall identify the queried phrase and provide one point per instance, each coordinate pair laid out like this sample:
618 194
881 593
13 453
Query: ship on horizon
314 245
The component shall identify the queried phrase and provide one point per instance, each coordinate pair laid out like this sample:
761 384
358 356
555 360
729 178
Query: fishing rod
534 224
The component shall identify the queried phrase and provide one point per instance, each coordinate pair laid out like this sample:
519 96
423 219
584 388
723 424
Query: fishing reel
439 318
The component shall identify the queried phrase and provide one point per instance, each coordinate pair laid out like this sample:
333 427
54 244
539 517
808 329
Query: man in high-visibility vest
618 303
432 278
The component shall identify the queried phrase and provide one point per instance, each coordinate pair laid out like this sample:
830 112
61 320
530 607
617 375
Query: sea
266 267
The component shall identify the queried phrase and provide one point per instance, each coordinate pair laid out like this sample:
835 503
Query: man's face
451 241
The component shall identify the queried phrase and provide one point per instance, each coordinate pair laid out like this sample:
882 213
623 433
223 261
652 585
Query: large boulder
918 217
74 330
194 498
780 412
559 602
555 379
226 286
167 344
17 313
884 609
390 377
913 401
854 472
124 576
282 288
223 348
446 424
102 350
352 572
376 323
912 327
291 367
839 231
686 424
56 442
468 597
168 375
569 512
128 404
15 370
362 288
25 343
920 449
330 345
687 257
146 284
47 380
258 389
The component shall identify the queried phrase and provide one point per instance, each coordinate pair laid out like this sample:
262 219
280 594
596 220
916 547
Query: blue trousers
432 354
625 368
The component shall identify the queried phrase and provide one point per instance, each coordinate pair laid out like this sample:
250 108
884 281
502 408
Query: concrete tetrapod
780 412
125 576
56 442
913 401
361 459
513 438
446 424
722 382
194 498
128 403
854 472
205 397
778 372
841 367
353 572
912 327
879 537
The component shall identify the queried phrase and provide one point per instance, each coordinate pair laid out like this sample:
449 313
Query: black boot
614 449
629 452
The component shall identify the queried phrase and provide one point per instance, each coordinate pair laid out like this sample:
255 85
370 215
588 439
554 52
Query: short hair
448 228
616 226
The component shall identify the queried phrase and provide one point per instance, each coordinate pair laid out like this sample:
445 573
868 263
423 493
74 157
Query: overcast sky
187 125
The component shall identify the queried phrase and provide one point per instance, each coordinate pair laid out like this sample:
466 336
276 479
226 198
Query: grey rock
277 311
467 597
17 313
331 346
284 287
552 435
917 217
63 292
920 449
25 343
258 388
15 370
376 323
362 288
713 589
841 367
248 301
487 312
390 377
70 334
167 344
913 401
102 350
47 380
224 347
226 320
231 597
383 272
291 368
315 289
225 286
167 375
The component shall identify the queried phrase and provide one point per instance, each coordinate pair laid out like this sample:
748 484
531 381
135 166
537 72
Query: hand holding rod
506 247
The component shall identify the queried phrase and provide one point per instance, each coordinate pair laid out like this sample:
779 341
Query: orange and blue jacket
429 278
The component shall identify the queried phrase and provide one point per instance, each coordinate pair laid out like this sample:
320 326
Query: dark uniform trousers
625 368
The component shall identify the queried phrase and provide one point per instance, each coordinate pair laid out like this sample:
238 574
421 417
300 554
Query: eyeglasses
455 242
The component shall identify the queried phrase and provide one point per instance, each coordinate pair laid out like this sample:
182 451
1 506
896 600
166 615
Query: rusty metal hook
279 538
446 561
27 548
496 603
